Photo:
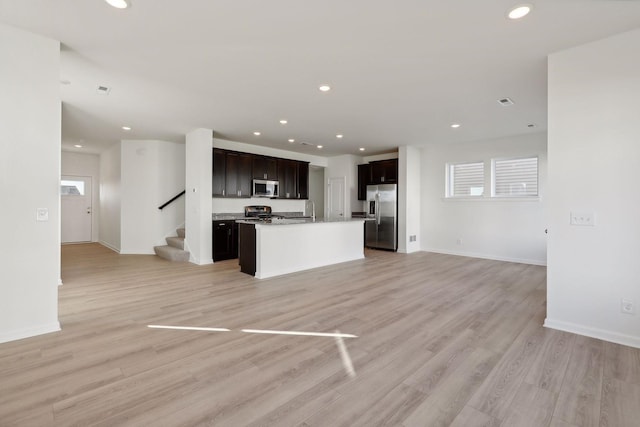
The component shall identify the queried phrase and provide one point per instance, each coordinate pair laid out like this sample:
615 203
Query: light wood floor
442 340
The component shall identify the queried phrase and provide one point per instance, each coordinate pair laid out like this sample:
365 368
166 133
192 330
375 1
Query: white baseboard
33 331
601 334
196 262
107 245
486 256
137 252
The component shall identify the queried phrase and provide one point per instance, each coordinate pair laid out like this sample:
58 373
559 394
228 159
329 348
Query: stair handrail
168 202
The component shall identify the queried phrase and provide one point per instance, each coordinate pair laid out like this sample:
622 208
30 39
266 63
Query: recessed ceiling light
283 122
256 133
505 102
519 11
319 146
325 88
126 128
531 125
455 125
339 136
119 4
78 146
291 140
361 148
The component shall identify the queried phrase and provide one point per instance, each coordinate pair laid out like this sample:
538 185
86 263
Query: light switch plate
42 214
583 219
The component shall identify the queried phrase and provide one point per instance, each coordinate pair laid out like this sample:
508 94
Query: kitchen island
289 245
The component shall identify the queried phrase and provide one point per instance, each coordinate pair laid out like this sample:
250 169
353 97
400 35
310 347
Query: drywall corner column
594 168
198 175
409 203
30 130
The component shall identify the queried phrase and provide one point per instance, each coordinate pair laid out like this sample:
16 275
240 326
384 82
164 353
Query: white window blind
466 179
515 177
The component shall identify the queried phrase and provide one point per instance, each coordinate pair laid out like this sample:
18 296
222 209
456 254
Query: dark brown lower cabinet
225 240
247 248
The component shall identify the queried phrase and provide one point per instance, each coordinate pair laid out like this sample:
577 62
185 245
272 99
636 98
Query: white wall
236 206
317 190
110 203
502 230
199 171
30 112
409 199
594 167
152 172
81 164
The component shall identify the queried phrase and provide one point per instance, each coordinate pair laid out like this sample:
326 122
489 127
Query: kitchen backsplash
222 205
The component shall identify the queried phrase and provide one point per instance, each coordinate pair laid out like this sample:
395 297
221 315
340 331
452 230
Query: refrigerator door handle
378 208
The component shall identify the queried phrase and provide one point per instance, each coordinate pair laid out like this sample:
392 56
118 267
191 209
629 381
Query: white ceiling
401 70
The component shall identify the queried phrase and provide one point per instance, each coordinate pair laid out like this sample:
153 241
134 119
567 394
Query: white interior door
336 196
75 209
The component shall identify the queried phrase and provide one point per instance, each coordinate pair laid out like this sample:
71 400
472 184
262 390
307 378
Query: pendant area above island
282 247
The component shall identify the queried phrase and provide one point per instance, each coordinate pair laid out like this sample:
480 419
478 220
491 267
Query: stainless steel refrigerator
381 230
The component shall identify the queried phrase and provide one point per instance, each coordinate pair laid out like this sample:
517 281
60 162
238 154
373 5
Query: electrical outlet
458 241
626 306
412 238
583 218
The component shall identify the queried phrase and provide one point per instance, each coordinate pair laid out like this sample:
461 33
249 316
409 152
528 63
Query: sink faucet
313 209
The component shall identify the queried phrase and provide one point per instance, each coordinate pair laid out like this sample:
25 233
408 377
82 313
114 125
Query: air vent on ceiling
306 143
103 90
505 102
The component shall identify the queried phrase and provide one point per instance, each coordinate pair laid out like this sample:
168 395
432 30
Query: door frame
342 181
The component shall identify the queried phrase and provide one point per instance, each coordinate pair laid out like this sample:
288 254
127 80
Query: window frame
450 181
494 195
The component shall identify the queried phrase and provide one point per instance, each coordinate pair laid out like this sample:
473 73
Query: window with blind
465 179
515 177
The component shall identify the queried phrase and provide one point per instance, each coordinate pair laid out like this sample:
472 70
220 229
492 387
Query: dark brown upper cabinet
234 172
364 178
288 179
231 174
264 167
303 180
384 172
219 172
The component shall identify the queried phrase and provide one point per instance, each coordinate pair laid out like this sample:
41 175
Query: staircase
174 249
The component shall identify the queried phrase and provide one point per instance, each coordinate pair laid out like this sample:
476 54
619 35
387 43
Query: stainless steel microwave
264 188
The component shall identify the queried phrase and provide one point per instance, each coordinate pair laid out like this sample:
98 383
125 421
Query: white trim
486 256
137 252
601 334
108 246
491 199
192 260
60 282
33 331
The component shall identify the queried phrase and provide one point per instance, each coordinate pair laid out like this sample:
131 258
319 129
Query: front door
75 209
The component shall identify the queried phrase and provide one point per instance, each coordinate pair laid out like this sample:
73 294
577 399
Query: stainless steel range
259 213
